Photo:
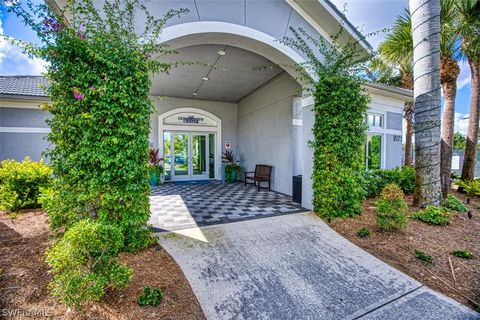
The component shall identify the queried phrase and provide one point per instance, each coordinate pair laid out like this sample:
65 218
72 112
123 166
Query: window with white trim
375 120
373 151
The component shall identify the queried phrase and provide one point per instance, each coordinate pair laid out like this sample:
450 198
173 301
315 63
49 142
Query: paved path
296 267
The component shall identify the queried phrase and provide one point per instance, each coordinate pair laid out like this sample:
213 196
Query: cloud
14 62
461 123
464 79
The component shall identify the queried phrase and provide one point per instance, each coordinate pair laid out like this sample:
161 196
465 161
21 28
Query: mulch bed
24 277
397 248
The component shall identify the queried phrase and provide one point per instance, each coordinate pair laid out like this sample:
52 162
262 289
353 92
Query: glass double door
186 156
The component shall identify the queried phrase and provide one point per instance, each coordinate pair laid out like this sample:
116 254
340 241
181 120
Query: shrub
84 265
433 215
20 183
453 203
464 254
423 256
376 180
363 233
150 297
471 187
391 209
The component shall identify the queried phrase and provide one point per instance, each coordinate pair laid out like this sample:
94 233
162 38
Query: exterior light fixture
221 52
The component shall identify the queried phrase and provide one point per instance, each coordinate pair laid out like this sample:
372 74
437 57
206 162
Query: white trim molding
24 130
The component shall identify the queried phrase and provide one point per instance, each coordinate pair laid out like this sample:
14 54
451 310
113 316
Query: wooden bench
262 173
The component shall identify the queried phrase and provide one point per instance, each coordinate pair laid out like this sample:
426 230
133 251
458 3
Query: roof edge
399 93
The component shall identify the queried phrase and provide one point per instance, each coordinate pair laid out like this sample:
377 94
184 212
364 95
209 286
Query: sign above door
189 119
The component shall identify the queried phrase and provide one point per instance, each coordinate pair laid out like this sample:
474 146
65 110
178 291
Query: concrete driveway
296 267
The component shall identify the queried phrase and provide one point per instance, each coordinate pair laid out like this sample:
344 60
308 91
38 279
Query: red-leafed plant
228 157
154 156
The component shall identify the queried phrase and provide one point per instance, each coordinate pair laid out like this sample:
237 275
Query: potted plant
232 170
156 174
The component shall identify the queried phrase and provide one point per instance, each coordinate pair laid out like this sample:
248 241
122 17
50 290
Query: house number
397 138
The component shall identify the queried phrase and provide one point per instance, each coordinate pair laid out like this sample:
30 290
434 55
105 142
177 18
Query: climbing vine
332 71
99 68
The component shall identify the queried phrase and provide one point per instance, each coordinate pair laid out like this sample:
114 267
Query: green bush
423 256
84 265
21 182
363 233
433 215
453 203
471 187
391 209
233 172
376 180
464 254
150 297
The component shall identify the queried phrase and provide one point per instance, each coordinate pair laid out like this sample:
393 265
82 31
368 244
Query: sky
367 15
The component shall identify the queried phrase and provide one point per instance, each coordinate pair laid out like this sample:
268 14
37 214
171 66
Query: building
227 102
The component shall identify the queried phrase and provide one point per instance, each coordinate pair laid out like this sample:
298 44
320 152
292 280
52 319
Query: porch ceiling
230 76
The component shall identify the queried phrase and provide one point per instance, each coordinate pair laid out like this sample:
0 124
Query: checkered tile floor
181 206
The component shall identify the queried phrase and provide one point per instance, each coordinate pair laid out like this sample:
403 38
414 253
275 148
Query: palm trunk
470 159
426 56
448 122
408 133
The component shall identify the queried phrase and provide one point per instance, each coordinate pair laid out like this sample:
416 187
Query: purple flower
52 25
78 95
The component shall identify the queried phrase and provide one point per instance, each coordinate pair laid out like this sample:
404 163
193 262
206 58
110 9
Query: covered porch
229 99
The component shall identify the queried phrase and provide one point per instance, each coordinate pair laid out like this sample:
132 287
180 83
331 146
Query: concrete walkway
296 267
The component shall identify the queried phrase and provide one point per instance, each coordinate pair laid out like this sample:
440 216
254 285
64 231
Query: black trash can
297 189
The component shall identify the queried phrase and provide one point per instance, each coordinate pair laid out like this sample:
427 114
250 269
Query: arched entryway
190 143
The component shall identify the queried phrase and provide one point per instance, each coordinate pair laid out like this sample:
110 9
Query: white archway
214 32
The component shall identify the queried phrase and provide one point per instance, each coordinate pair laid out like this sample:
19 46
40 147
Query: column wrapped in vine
99 68
332 75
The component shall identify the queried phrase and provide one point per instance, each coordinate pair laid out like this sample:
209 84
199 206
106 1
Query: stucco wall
17 146
265 130
28 122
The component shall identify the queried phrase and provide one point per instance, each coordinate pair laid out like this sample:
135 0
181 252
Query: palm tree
449 71
397 50
469 32
426 61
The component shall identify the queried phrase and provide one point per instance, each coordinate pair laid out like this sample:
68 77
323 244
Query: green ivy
340 106
99 82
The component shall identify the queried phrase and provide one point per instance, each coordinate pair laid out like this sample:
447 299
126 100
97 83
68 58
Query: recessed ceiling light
221 52
205 79
195 93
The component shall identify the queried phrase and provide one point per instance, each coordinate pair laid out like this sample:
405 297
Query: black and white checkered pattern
180 206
